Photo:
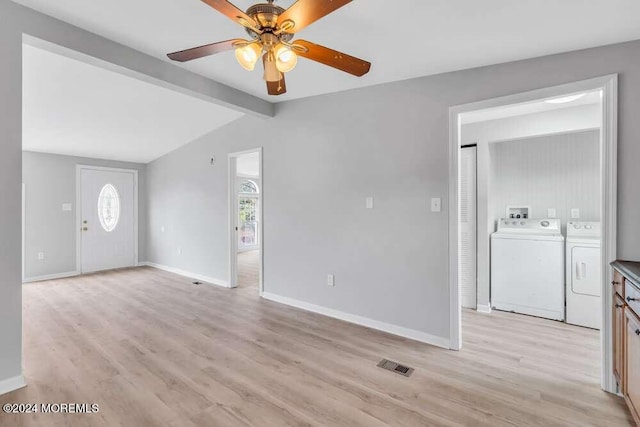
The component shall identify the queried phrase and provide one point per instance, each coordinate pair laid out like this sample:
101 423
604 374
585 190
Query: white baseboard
199 277
484 308
51 277
11 384
362 321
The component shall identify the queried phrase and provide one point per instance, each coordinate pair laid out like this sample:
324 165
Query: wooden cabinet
632 364
625 330
618 339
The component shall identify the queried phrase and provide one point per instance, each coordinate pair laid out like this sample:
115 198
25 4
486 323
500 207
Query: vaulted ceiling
74 108
403 39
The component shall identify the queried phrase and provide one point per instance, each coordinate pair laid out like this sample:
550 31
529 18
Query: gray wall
10 194
324 155
50 181
558 171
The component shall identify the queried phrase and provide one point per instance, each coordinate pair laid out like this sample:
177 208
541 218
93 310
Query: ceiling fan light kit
271 29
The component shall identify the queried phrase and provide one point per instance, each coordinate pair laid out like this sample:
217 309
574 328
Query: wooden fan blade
305 12
202 51
341 61
277 88
232 12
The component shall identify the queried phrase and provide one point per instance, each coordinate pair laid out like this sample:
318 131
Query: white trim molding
12 384
207 280
362 321
482 308
609 143
51 277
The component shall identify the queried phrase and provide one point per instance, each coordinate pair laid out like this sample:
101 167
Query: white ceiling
522 109
403 39
73 108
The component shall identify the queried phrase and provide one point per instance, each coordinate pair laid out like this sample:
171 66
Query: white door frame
79 169
608 152
233 217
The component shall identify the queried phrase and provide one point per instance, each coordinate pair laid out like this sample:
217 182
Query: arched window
248 186
109 208
248 210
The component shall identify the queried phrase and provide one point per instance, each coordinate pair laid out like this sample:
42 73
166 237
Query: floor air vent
395 367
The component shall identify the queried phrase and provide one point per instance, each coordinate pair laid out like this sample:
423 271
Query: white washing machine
584 274
527 267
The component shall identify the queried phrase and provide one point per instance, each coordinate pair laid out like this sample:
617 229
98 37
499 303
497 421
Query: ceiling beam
48 33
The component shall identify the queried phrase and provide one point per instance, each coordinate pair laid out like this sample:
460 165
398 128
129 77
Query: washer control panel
529 225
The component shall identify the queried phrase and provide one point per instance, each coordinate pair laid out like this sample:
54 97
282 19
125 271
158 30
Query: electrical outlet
179 250
551 213
40 256
436 204
67 207
162 229
369 202
575 213
331 280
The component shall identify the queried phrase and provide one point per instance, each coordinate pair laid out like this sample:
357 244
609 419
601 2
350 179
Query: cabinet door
618 340
632 363
618 283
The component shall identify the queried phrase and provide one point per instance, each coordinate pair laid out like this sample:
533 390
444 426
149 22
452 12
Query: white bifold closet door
468 227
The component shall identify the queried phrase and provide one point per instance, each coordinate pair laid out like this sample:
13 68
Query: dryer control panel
583 229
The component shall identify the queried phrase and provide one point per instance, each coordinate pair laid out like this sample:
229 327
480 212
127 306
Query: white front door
107 219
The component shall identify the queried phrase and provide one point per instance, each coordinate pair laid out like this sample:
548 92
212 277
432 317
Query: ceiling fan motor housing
266 15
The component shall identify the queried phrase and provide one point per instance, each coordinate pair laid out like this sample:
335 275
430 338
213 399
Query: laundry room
530 210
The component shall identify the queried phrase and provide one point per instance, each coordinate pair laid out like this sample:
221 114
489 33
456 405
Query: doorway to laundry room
532 223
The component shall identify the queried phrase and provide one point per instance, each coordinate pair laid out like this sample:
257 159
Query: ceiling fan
272 29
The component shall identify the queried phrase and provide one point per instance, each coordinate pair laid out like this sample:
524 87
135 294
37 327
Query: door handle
631 299
615 283
637 331
619 305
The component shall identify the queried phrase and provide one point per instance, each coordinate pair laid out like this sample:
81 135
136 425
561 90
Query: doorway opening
532 214
245 213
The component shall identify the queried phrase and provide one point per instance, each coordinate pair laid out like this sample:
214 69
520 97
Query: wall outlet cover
551 213
40 256
575 213
67 207
369 202
331 280
436 204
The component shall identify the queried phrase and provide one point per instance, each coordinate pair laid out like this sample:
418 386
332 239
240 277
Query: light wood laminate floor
249 270
154 350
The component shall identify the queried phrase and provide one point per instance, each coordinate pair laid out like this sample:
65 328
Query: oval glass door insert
109 208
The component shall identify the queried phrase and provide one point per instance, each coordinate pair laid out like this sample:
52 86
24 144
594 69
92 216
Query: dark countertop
629 269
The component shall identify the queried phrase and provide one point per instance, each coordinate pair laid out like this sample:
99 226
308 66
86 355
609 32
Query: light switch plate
551 213
369 202
436 204
575 213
